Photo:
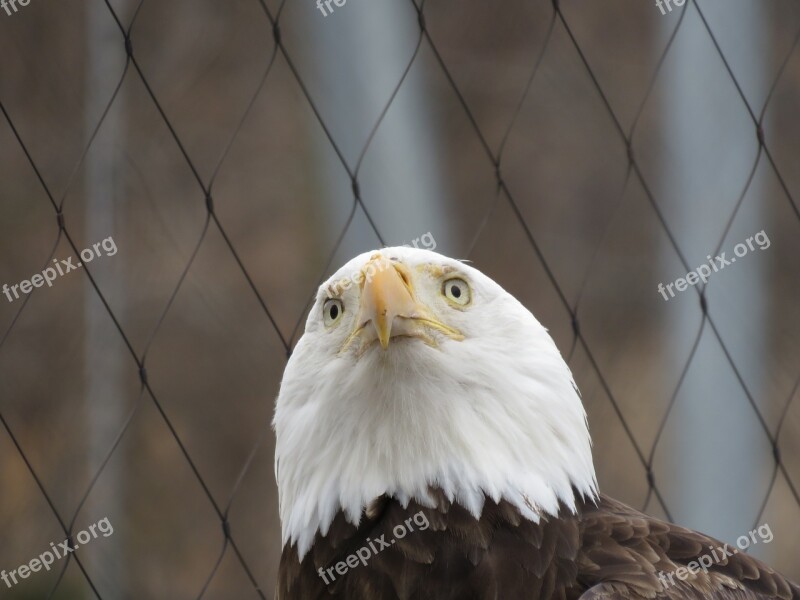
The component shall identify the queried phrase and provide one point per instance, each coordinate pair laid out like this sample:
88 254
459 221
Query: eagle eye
457 291
332 311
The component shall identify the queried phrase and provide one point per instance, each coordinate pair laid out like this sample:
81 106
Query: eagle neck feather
413 418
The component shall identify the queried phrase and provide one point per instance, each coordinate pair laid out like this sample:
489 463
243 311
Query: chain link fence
233 174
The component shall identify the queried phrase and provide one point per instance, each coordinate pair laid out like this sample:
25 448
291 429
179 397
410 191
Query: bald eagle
432 445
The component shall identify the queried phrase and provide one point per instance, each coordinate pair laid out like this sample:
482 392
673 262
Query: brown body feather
606 550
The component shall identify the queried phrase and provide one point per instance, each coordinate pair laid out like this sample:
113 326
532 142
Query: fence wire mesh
555 169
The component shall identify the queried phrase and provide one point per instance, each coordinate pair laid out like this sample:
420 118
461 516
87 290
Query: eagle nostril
404 276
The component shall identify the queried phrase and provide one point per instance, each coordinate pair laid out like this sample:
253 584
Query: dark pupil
334 311
456 291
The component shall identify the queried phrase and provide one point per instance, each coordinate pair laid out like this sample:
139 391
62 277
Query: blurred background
579 153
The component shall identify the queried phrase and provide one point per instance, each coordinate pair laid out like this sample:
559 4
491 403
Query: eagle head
418 372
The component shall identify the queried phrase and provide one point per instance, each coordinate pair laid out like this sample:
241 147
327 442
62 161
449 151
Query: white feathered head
418 371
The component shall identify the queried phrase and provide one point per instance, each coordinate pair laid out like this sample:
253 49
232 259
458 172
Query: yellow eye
332 311
457 291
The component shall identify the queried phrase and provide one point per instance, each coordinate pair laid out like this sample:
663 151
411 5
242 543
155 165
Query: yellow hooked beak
389 304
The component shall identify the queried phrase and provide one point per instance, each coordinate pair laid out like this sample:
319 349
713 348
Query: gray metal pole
357 54
712 453
105 365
